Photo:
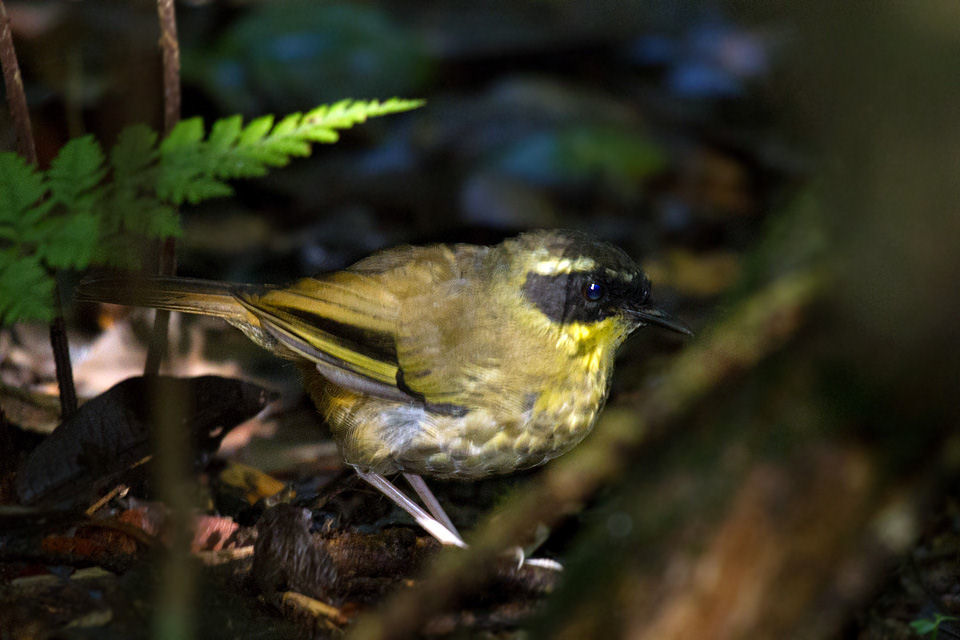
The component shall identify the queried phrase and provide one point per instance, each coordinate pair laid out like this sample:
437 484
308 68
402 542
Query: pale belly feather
386 436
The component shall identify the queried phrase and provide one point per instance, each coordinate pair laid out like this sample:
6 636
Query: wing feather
395 325
342 320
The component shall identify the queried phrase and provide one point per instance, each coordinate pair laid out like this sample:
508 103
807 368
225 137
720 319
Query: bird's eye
594 291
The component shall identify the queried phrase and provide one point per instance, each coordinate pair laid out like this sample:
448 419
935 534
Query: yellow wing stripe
278 301
346 358
349 299
274 311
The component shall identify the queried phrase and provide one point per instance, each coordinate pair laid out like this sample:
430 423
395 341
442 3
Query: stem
8 452
161 320
61 358
171 115
17 99
171 64
175 614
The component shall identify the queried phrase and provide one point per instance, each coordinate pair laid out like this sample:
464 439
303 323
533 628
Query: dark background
727 145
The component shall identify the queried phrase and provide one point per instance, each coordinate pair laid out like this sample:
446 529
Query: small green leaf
271 155
75 173
33 215
923 627
929 626
287 126
255 131
346 113
135 150
237 164
68 241
186 133
26 290
20 187
179 166
394 105
323 135
164 222
291 147
204 188
225 132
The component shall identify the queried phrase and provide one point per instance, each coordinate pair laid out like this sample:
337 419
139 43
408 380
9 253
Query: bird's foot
437 523
520 555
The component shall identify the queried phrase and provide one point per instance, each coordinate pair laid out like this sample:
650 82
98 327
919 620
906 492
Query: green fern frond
26 289
191 169
88 206
76 172
21 187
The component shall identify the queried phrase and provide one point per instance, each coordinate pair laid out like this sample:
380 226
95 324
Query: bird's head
591 292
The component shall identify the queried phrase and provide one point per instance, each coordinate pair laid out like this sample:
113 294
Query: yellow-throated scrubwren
451 361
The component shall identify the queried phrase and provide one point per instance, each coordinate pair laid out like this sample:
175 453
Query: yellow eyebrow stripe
559 266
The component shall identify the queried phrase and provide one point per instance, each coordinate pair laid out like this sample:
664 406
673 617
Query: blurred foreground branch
170 47
753 330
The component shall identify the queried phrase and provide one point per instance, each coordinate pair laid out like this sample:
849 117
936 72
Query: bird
450 361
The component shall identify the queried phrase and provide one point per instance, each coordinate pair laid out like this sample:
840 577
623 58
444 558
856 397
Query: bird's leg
439 524
432 525
430 501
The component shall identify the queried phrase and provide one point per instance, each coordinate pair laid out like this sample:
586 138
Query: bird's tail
189 295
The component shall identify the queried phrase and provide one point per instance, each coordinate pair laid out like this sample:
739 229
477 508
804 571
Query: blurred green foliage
281 55
618 157
46 222
930 626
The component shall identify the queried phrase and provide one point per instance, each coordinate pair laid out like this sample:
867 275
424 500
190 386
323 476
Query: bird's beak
654 316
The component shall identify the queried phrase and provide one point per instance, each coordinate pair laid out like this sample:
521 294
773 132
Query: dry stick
61 360
756 328
171 64
171 115
17 99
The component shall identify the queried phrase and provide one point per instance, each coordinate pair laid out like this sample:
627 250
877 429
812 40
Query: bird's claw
544 563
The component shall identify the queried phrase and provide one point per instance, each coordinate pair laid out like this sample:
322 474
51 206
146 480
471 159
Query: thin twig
161 318
758 327
17 99
61 358
176 614
171 64
170 47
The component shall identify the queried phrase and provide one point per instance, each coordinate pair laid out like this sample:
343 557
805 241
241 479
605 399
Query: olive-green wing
435 347
348 322
343 320
457 348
